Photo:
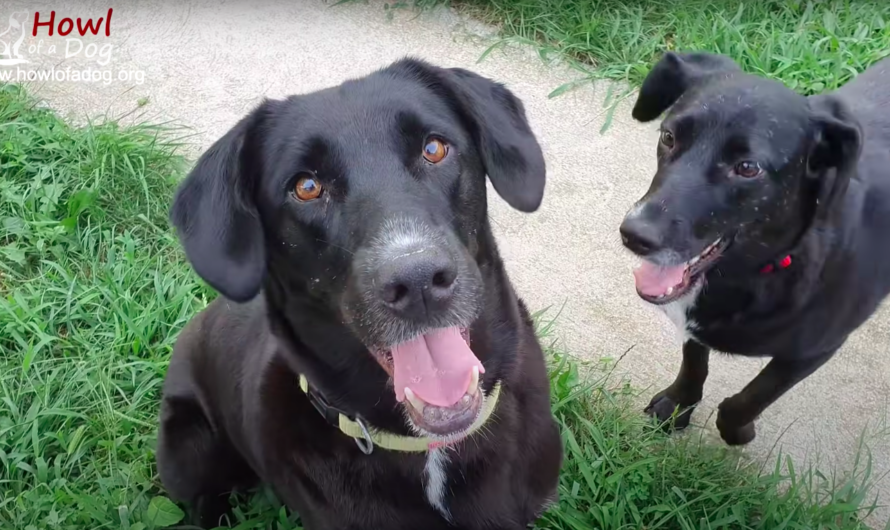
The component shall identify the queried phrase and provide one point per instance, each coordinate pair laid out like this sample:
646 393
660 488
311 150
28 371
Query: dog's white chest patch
678 312
436 480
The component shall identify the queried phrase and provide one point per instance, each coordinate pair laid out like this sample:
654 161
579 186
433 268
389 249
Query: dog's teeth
669 292
694 260
414 400
474 382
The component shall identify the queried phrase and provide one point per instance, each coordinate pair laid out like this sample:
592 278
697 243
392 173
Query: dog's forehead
372 110
379 94
759 92
764 111
358 130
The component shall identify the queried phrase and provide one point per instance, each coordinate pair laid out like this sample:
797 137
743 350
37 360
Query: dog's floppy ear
510 152
836 145
216 219
673 75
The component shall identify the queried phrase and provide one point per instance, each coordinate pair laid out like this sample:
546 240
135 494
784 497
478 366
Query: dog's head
370 199
745 166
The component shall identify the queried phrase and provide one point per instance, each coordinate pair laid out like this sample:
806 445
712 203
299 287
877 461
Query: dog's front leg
736 414
686 390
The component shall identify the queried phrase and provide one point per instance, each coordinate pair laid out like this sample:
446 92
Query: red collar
783 263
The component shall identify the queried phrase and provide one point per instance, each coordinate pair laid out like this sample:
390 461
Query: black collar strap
333 415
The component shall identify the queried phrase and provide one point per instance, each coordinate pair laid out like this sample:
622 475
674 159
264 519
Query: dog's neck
786 235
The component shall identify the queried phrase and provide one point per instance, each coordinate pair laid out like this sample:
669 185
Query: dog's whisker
335 246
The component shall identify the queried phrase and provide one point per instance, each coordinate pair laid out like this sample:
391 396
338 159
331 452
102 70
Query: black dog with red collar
746 169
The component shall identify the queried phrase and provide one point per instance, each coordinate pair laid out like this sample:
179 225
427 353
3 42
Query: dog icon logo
11 40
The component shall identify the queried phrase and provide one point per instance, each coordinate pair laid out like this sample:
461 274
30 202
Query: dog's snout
418 283
413 277
641 236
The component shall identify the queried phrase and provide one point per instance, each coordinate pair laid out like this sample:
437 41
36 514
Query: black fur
823 199
297 280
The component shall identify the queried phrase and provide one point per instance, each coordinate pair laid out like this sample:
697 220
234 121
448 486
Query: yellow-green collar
366 438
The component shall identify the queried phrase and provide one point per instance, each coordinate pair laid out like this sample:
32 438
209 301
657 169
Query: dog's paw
662 409
209 511
734 435
733 429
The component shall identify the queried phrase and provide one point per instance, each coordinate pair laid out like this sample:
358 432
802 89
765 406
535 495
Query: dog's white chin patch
436 481
678 312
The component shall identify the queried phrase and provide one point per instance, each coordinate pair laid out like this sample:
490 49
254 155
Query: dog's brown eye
434 151
667 138
748 169
308 188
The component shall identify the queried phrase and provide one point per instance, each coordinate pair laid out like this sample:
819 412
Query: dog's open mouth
436 377
663 285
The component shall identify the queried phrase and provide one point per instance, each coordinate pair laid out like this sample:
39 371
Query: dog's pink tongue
653 280
437 367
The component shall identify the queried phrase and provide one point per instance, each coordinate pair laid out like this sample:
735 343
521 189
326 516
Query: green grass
810 45
94 289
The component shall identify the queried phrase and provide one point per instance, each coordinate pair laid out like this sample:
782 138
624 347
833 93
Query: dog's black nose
640 236
418 283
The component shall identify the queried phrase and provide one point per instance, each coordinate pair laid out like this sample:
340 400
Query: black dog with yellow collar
368 358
